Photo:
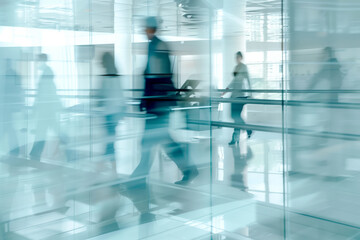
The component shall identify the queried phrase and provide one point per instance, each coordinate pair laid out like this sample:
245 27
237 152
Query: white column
233 40
123 37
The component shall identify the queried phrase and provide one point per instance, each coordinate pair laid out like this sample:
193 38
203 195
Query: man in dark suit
159 97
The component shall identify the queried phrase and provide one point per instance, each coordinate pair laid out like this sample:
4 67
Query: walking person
329 76
47 108
11 102
159 97
241 81
112 101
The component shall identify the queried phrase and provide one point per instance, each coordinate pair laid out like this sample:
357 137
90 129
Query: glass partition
178 119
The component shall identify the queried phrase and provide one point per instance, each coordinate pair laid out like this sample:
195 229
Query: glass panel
179 119
321 151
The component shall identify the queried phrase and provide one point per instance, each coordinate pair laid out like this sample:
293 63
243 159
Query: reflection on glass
116 118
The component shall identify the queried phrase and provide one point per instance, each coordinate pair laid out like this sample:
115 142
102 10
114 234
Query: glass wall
179 119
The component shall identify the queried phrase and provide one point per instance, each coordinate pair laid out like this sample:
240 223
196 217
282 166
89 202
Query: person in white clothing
112 102
240 82
47 108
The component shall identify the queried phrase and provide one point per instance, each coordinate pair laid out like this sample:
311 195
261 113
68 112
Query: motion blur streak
179 119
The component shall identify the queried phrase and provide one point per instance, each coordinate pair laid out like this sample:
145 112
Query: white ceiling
99 15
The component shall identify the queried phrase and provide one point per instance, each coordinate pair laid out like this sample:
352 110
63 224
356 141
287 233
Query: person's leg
236 109
64 139
111 122
35 154
176 153
138 190
150 139
249 131
144 165
39 143
236 115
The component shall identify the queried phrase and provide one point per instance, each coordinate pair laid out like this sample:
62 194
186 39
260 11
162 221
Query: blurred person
241 81
111 99
159 85
329 74
47 108
12 103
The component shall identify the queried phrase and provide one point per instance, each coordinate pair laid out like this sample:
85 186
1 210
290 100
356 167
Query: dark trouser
157 132
111 121
39 144
138 192
236 110
38 148
57 190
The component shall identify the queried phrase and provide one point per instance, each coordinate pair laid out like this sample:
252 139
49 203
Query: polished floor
243 200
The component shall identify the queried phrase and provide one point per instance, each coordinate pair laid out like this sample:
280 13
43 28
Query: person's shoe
146 218
249 133
234 140
237 181
188 177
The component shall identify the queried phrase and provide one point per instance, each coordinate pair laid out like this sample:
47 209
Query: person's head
42 57
239 57
151 25
108 63
328 53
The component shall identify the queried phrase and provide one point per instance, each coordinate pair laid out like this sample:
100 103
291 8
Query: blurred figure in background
241 81
47 108
12 102
111 99
329 77
159 97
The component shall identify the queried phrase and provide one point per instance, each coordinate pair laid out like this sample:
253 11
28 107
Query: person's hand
142 106
225 92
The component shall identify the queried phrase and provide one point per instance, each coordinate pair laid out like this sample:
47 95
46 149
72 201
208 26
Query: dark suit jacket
159 93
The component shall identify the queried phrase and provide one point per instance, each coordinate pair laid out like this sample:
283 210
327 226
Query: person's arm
231 85
319 76
315 79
